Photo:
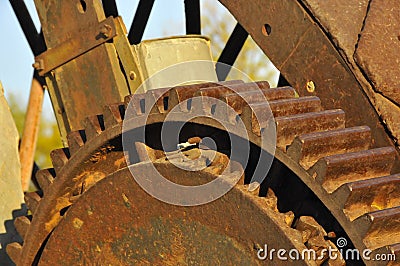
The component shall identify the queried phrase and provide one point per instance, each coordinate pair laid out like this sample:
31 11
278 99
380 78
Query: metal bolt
132 75
38 65
106 30
310 86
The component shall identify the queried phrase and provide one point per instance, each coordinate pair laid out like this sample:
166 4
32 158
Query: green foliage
48 137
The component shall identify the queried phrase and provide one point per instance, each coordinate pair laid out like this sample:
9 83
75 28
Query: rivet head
132 75
38 65
310 86
106 30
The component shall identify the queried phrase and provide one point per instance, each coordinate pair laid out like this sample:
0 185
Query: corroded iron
99 150
313 44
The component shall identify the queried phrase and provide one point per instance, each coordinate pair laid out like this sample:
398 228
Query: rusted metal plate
79 44
342 19
82 86
390 113
378 51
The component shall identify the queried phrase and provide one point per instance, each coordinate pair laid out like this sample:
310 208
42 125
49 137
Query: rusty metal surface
79 43
342 19
94 77
365 34
152 232
310 59
371 195
307 149
335 170
361 163
300 49
379 47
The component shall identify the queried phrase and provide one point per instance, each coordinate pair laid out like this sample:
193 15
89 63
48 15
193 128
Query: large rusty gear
333 165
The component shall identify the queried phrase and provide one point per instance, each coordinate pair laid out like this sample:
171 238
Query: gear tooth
280 97
45 178
175 97
288 218
128 99
338 261
226 89
146 153
76 139
32 200
307 149
279 93
59 158
113 114
394 250
180 94
262 85
14 251
136 104
271 199
224 113
358 198
157 100
289 127
380 228
253 188
286 107
22 224
94 125
256 117
237 100
309 223
336 170
201 105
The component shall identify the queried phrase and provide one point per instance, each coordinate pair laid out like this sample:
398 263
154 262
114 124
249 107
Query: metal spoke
110 8
35 40
140 21
192 14
231 51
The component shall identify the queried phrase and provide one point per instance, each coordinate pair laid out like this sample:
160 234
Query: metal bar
35 40
193 19
30 132
140 21
110 8
231 51
76 46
